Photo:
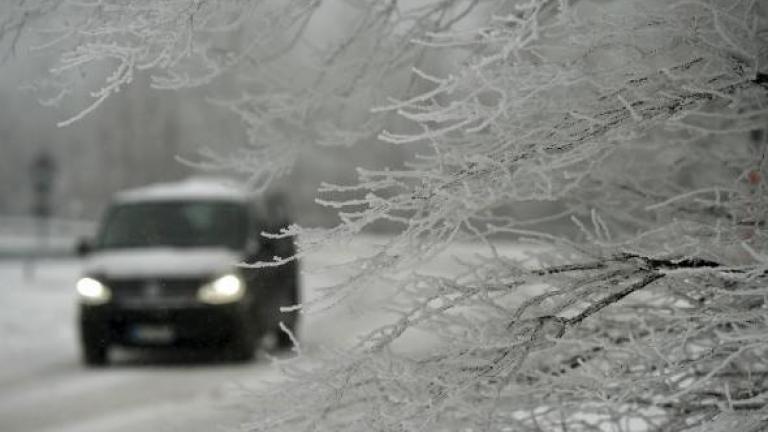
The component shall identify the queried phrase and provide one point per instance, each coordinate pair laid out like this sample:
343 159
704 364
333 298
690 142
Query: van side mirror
84 247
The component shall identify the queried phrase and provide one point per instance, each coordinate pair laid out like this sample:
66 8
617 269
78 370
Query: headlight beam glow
92 291
228 288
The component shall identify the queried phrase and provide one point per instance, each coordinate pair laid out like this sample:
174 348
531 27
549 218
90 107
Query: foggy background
134 139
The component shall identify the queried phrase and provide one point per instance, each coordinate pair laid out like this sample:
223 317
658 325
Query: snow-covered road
43 386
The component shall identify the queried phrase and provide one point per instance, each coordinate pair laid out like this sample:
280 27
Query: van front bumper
194 324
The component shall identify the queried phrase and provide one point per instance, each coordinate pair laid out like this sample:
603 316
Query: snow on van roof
190 189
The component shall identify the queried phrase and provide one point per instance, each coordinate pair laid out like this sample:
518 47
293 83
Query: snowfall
44 387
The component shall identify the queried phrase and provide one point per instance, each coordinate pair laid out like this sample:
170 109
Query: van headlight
224 289
92 292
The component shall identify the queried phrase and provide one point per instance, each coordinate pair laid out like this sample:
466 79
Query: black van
163 271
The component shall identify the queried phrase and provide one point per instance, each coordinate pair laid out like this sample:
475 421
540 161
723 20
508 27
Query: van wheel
290 319
242 348
95 353
283 341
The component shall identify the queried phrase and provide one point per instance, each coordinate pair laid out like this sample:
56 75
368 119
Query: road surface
44 387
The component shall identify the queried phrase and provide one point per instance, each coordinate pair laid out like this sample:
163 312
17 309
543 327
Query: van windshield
175 224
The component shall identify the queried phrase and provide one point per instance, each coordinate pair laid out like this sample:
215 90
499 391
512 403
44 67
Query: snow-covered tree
643 121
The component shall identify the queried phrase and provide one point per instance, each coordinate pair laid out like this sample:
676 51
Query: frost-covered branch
638 304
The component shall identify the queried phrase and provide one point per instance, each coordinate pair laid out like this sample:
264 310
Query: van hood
160 262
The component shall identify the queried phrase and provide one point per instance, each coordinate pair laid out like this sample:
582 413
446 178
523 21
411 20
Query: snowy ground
23 236
43 387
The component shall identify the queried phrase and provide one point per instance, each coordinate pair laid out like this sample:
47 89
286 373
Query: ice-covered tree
643 121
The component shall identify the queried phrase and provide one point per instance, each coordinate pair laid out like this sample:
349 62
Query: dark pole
42 171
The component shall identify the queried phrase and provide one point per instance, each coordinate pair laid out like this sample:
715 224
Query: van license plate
152 333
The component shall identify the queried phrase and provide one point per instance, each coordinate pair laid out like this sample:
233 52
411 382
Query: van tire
95 353
242 348
284 342
289 319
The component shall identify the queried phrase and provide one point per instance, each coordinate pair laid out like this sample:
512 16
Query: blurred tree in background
644 122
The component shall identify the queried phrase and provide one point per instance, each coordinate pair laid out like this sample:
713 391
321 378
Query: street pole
42 171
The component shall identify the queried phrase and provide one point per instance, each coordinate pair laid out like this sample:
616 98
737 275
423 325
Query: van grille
154 289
